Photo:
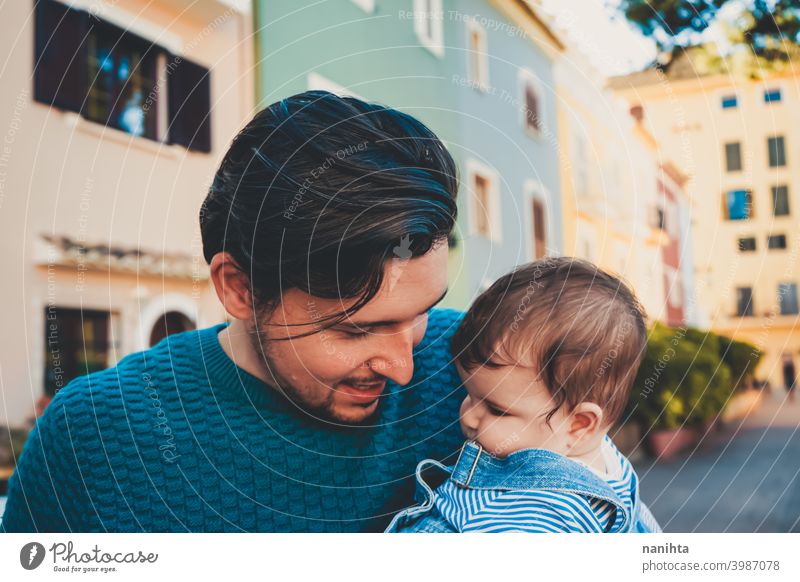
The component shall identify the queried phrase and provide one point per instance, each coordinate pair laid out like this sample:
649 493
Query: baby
547 355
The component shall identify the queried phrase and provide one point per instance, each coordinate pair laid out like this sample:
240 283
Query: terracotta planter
666 444
708 427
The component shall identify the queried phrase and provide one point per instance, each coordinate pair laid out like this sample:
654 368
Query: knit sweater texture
178 438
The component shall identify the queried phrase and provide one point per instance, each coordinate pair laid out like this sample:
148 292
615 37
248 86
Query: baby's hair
579 328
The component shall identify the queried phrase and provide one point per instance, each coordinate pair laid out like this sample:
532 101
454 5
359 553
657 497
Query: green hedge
687 376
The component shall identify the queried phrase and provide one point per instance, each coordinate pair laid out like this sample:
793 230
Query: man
326 232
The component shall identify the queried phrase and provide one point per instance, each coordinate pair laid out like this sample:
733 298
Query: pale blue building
479 73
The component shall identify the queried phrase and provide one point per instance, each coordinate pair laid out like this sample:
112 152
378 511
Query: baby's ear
585 421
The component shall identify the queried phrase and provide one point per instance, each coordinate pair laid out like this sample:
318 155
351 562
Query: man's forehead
409 288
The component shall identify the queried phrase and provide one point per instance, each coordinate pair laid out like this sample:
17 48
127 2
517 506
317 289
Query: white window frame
162 102
367 6
430 10
535 190
317 82
476 168
478 79
157 307
525 78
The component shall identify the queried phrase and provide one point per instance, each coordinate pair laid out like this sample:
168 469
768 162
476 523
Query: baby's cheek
501 437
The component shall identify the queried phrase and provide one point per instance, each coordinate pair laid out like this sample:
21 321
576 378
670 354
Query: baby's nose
469 416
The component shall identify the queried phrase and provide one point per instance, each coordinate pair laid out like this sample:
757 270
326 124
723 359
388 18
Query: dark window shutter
60 52
189 104
539 234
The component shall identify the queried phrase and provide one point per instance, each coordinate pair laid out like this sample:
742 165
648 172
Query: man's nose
395 360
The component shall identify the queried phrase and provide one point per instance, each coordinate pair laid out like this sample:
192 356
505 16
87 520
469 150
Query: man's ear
232 286
585 421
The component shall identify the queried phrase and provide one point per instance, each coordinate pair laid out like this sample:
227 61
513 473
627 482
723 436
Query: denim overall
524 470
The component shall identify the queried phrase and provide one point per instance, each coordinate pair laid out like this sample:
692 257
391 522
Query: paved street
745 478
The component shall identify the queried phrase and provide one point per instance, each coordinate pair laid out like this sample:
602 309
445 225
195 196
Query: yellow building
737 139
613 182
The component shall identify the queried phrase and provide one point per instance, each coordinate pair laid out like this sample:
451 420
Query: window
538 221
738 205
122 77
729 102
744 301
532 109
777 153
485 201
780 200
428 23
77 342
661 219
111 76
772 96
787 298
776 241
733 156
478 55
747 244
539 230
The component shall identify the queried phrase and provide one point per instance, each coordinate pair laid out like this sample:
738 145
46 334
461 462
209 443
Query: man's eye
355 334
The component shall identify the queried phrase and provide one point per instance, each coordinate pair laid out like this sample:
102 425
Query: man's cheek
320 343
419 330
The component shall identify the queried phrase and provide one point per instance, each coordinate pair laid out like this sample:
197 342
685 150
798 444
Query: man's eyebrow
385 323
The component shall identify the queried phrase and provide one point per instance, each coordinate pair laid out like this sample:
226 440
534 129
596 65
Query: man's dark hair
318 191
580 329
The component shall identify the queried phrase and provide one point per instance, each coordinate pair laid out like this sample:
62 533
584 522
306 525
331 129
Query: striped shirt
491 510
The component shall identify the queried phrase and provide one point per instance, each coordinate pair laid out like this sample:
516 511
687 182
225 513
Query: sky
612 44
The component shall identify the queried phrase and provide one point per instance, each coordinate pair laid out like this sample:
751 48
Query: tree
770 28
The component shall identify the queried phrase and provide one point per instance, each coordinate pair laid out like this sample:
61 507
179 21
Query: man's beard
321 411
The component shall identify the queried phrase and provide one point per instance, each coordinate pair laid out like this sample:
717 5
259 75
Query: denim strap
532 469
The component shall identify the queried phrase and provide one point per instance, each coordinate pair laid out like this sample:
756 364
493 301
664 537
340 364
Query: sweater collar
224 375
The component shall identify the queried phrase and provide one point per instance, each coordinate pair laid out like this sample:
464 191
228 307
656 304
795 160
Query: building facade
508 137
117 116
623 205
736 137
478 73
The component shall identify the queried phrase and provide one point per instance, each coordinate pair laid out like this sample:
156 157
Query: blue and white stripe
539 511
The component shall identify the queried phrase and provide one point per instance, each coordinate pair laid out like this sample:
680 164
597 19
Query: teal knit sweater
179 438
